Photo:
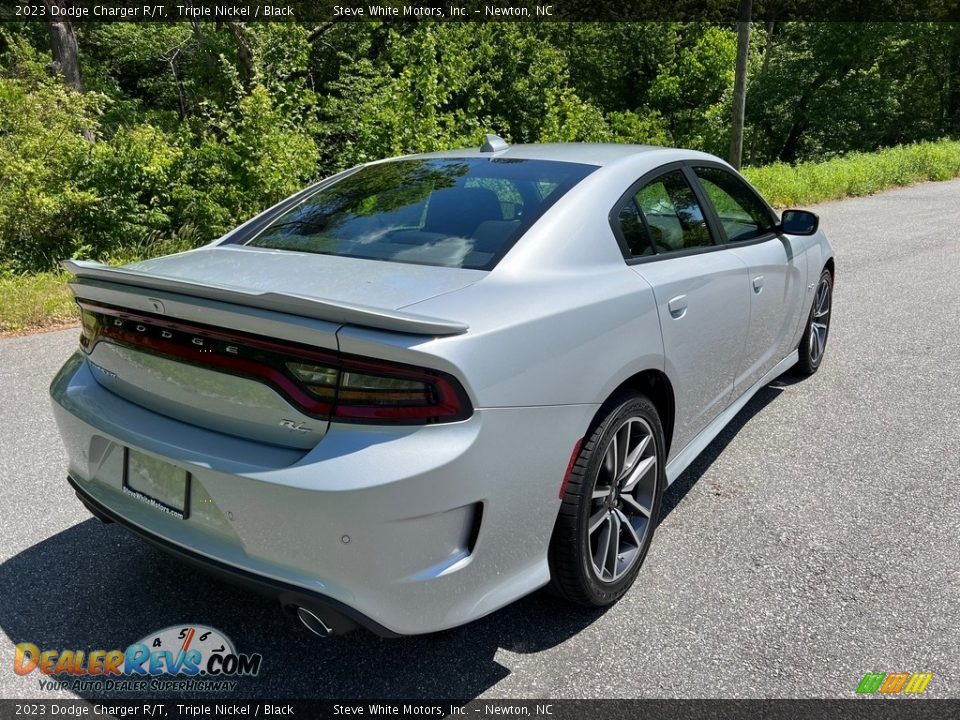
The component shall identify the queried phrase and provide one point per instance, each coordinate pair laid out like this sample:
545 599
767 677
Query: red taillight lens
319 382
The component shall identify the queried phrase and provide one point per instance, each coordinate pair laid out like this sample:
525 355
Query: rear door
776 266
700 289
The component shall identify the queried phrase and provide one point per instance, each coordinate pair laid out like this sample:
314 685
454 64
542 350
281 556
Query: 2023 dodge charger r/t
426 386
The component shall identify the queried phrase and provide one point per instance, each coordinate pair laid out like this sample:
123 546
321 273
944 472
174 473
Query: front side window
674 217
453 212
742 214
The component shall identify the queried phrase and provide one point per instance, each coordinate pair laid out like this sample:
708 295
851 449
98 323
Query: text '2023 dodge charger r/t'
427 386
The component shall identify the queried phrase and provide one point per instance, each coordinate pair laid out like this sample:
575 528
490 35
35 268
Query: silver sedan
427 386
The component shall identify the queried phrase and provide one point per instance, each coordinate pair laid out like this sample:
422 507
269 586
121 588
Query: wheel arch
655 385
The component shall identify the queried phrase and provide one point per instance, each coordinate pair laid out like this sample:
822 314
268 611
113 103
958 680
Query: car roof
585 153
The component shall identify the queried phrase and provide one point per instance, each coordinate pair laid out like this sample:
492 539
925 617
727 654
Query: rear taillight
367 390
321 383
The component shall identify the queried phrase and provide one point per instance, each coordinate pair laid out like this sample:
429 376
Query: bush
69 191
42 148
856 174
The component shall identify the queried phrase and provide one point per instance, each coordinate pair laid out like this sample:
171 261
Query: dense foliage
184 130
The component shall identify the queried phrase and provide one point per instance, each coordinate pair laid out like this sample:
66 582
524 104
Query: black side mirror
799 222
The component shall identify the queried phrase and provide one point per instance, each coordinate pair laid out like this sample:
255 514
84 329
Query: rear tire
813 344
611 504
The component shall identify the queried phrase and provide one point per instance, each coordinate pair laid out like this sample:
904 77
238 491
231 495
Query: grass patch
856 174
35 302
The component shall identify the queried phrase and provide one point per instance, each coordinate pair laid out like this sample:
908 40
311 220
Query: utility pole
740 83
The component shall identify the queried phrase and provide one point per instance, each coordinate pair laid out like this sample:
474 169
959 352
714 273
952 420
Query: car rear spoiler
304 306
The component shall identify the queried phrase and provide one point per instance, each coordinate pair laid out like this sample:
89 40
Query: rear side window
673 215
742 214
454 212
633 230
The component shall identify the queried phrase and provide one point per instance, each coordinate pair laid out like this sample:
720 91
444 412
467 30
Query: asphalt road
817 539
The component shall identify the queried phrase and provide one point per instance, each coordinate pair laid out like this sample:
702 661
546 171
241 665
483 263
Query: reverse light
318 380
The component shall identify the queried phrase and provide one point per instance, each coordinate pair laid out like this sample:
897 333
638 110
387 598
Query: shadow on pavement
683 484
96 587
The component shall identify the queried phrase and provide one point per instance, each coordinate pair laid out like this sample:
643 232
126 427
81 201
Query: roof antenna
493 143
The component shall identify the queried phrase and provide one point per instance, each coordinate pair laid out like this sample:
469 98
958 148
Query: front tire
611 504
813 344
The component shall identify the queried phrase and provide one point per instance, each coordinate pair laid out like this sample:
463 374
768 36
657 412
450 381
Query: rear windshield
462 212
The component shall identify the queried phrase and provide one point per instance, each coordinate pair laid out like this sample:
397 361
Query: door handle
758 283
678 306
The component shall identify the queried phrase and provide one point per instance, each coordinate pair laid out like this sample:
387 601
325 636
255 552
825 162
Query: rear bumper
402 530
339 616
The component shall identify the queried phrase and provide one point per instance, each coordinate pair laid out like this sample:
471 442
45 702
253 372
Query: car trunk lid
204 337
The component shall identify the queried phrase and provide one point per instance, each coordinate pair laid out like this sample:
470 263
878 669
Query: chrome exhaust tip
314 623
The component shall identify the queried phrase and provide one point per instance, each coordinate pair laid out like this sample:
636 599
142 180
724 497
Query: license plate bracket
156 482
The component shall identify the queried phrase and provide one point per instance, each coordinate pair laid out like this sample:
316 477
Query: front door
776 267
